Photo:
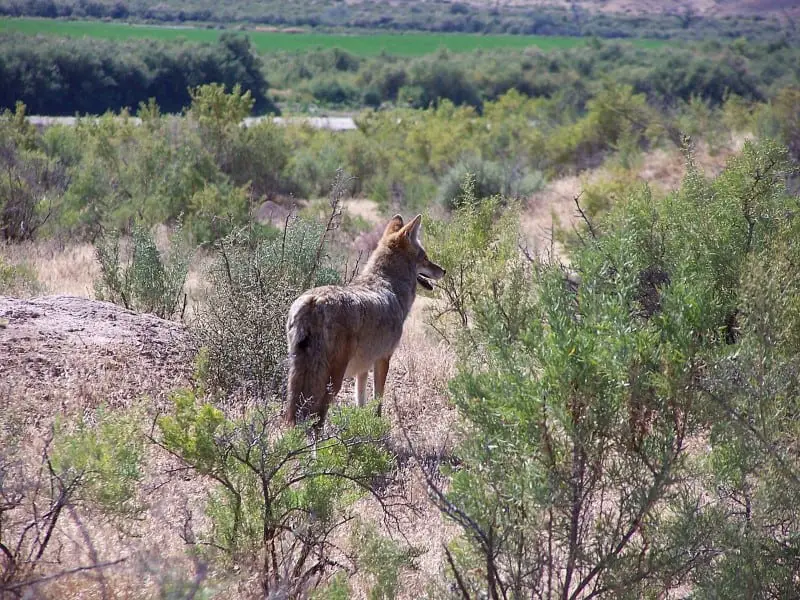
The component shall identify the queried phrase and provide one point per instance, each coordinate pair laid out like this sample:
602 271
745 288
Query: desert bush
599 196
111 173
18 280
195 166
144 280
383 559
311 169
754 458
87 466
781 120
217 209
254 278
218 115
30 181
615 116
260 156
584 405
489 179
700 120
474 247
148 174
278 498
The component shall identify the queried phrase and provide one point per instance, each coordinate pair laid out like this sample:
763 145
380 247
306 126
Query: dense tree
66 76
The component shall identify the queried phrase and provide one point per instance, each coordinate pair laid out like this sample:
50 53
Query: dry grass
61 269
663 169
551 208
417 406
364 208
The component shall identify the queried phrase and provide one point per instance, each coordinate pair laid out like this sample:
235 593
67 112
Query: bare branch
584 216
32 582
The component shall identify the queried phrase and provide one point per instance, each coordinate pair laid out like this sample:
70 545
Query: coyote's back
338 331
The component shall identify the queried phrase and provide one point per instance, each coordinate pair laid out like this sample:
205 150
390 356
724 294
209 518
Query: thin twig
583 215
459 581
30 582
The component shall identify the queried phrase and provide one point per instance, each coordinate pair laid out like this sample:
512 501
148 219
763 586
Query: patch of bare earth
65 356
62 353
548 210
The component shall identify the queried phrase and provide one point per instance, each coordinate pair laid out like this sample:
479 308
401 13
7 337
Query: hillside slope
707 8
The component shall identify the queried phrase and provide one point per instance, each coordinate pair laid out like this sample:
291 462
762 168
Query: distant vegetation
65 76
415 15
666 75
210 173
93 76
360 44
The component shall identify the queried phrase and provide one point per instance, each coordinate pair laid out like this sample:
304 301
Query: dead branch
32 582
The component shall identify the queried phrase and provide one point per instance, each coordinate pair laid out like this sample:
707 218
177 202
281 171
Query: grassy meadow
409 44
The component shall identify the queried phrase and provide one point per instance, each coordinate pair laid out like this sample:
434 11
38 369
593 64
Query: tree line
442 17
666 75
65 76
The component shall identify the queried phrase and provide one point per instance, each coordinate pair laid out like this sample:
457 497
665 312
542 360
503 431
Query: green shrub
18 280
475 247
32 183
94 465
582 404
218 115
783 116
489 179
383 559
260 155
145 281
616 117
216 209
104 459
333 91
253 280
601 195
276 497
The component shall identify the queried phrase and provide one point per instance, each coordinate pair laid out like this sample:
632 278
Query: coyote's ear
395 225
411 229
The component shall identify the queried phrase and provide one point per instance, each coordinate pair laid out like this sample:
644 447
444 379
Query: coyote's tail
305 384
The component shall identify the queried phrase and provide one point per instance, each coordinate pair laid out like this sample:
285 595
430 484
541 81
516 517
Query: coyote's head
406 238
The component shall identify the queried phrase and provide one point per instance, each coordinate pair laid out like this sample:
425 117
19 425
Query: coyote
335 332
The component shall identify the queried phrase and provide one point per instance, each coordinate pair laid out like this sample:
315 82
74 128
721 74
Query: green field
409 44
